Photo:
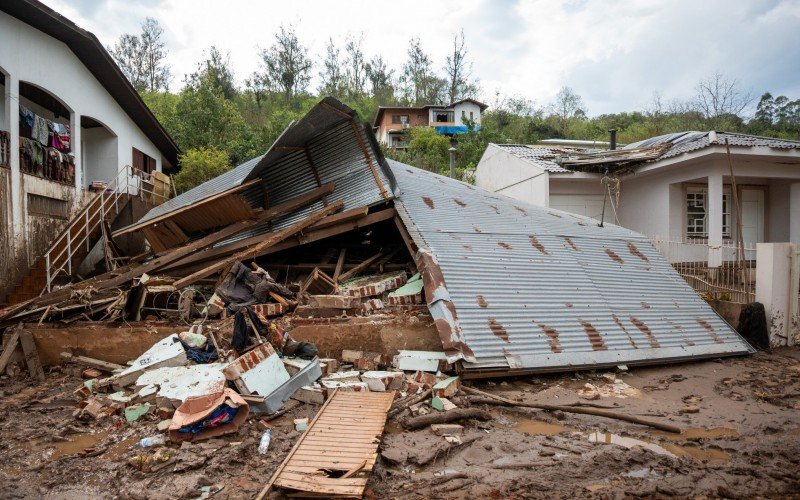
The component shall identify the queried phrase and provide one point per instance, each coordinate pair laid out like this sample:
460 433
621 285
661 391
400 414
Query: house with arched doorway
69 122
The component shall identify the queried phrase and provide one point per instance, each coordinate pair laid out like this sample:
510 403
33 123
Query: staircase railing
58 258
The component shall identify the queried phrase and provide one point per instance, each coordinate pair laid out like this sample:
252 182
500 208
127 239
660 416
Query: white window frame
701 224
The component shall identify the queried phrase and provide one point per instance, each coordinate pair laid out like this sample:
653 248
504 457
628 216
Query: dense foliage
218 123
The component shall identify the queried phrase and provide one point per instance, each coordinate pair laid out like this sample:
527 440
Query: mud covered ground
741 440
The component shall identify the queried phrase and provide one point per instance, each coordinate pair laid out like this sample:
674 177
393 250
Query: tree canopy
219 122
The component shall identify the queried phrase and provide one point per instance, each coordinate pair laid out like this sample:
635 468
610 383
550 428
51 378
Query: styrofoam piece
426 361
164 353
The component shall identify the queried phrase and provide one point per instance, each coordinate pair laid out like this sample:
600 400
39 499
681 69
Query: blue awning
453 129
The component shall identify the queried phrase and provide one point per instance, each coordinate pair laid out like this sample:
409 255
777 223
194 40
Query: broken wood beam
345 216
31 355
339 264
445 417
269 240
360 267
103 366
576 409
8 348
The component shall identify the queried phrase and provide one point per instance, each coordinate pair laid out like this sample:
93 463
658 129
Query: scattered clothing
40 130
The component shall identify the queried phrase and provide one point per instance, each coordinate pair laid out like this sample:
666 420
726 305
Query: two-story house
391 122
69 120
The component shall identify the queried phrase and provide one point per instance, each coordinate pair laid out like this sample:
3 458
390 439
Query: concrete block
329 365
372 286
333 301
344 386
313 394
447 388
428 361
382 381
442 404
350 376
427 380
408 294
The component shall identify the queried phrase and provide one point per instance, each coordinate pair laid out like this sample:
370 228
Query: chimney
612 139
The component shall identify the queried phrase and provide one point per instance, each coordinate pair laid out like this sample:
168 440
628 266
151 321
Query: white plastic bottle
264 444
152 441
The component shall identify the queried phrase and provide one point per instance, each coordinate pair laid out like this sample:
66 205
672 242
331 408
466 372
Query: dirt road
741 440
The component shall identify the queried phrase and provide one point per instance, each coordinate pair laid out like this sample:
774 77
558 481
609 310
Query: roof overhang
101 65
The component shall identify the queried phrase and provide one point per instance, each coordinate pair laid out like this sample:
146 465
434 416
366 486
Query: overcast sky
615 54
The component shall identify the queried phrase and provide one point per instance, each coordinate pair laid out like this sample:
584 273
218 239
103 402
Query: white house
68 118
677 187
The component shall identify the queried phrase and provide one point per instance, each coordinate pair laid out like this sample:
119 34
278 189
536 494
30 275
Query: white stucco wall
501 172
467 107
36 58
100 149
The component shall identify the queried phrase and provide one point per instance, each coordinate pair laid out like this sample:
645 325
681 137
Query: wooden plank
368 157
360 267
410 245
173 213
268 486
316 488
31 355
267 242
339 264
324 480
8 349
345 216
103 366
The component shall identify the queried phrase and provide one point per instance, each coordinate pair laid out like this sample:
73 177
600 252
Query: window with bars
697 214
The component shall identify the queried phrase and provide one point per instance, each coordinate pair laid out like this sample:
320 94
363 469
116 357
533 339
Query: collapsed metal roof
516 287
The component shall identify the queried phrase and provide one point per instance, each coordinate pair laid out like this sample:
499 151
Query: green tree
380 79
419 85
200 165
286 65
458 69
215 70
333 80
142 58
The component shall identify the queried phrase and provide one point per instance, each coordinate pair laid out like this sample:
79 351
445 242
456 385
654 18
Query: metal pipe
452 163
612 139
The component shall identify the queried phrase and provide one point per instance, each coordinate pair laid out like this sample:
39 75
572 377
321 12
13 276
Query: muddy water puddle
713 455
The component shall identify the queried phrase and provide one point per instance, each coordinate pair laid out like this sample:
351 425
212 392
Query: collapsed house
512 288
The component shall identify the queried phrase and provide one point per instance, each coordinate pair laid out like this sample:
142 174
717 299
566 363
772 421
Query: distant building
391 122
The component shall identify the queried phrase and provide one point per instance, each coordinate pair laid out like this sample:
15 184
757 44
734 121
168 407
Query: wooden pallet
341 441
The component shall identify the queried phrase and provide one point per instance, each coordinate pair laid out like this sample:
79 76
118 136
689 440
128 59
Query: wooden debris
103 366
445 417
576 409
8 348
31 355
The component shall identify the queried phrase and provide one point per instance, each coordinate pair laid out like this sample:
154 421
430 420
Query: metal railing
733 280
58 258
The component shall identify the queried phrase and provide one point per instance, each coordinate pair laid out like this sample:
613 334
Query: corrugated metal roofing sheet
685 142
543 157
535 289
336 146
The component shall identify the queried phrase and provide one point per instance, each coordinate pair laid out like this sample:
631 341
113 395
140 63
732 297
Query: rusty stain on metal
568 304
496 210
710 329
537 245
459 202
554 215
646 330
614 256
428 202
635 251
594 336
645 305
521 210
477 229
570 243
679 328
504 245
468 248
481 301
307 469
552 338
622 327
498 330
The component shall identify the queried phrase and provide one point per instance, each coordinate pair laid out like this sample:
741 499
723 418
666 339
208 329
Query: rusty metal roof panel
525 288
